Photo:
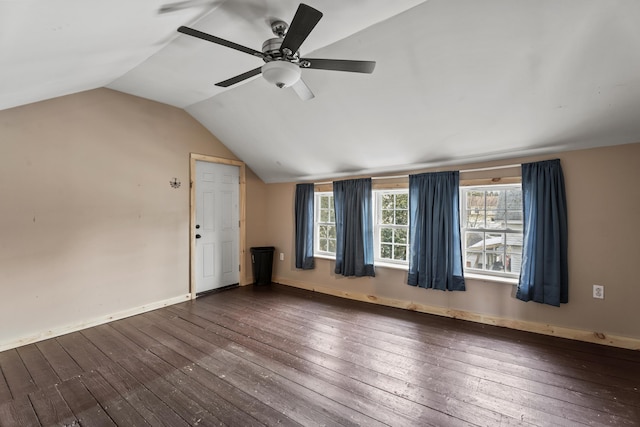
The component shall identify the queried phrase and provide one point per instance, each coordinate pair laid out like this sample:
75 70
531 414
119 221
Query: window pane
402 217
401 236
400 253
323 244
475 219
331 231
387 201
324 215
402 201
385 251
514 199
332 246
494 241
475 200
386 235
491 198
324 202
474 241
474 260
387 217
514 220
493 220
513 261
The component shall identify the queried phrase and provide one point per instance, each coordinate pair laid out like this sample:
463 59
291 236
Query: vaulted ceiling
456 81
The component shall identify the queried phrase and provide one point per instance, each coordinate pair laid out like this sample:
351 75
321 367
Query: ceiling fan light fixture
281 73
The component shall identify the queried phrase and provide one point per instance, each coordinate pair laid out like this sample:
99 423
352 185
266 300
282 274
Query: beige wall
90 226
603 192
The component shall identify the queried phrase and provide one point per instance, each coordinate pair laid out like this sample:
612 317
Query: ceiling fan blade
302 90
338 65
303 22
208 37
239 78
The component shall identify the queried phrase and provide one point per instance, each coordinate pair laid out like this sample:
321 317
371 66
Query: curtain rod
491 168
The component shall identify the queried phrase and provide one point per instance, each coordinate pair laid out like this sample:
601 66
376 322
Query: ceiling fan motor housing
271 48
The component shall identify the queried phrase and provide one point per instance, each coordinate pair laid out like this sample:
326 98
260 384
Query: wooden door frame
192 215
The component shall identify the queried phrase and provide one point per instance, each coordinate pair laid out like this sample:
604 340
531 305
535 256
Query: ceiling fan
281 56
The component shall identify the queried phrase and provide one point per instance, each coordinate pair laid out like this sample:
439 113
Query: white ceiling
456 81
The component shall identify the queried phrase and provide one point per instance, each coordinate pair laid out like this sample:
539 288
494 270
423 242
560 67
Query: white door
217 226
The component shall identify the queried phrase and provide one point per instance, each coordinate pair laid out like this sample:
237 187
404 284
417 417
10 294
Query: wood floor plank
116 406
83 352
85 407
5 393
63 364
150 406
18 412
16 374
172 396
39 368
194 390
51 408
254 407
112 343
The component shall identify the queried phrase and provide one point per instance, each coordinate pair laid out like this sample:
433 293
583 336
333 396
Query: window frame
317 223
486 273
378 225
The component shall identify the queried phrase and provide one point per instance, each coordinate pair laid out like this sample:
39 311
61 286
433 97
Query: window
491 225
325 225
391 225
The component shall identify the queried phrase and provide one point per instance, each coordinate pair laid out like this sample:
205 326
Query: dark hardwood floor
276 355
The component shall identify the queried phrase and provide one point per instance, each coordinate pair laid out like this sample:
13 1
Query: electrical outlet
598 291
281 256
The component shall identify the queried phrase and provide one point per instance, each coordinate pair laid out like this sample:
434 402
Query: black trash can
262 263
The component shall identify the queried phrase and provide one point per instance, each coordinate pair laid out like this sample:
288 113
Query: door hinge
239 267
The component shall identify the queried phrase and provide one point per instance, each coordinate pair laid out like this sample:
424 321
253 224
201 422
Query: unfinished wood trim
491 181
192 215
521 325
403 183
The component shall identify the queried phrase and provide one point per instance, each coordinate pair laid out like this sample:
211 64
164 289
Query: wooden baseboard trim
521 325
56 332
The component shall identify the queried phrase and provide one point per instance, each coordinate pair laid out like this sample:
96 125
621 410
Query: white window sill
489 278
405 267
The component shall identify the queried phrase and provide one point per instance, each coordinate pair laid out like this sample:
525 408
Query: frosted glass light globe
281 73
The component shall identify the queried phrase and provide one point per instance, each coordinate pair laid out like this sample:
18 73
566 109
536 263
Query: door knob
197 226
198 236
